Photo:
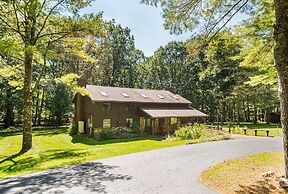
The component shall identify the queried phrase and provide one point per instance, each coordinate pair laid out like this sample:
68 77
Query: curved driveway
168 170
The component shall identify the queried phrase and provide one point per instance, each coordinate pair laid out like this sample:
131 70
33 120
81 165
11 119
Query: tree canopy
230 73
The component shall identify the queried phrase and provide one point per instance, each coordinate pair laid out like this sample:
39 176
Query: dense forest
231 78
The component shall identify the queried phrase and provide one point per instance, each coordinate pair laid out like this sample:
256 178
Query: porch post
153 126
92 129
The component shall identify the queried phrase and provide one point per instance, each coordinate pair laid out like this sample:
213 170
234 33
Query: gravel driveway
168 170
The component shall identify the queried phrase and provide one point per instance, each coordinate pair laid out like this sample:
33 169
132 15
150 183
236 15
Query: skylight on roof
176 97
160 96
125 95
104 94
144 96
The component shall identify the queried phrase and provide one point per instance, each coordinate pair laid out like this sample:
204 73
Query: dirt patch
263 186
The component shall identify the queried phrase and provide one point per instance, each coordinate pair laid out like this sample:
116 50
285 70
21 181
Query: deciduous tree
36 24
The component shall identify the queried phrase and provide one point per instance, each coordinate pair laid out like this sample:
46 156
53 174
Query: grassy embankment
275 129
54 147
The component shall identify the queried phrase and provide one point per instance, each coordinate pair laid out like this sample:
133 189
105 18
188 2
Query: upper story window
144 96
128 107
107 106
104 94
125 95
160 96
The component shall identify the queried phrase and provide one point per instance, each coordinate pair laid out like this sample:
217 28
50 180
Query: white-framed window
107 123
167 121
148 123
173 121
129 122
128 107
107 106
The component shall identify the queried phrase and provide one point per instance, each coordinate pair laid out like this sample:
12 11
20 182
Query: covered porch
167 120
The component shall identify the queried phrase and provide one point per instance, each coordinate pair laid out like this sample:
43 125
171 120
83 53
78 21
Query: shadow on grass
8 133
49 131
260 187
88 177
90 141
11 158
26 162
38 131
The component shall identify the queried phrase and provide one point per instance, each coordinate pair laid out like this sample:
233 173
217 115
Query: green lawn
54 147
244 175
275 129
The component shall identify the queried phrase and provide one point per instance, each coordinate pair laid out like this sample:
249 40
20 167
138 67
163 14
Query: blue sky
145 22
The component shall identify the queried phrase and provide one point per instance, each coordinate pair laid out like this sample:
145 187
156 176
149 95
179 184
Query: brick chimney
82 82
171 89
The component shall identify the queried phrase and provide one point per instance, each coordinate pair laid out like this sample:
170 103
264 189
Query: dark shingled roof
114 94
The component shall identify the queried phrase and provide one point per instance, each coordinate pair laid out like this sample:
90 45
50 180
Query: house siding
85 109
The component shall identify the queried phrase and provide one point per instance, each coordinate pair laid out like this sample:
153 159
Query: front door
148 125
142 124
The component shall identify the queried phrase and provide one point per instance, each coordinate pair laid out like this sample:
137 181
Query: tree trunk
244 111
233 113
238 112
58 119
9 115
223 117
266 119
203 100
248 112
29 41
27 111
281 62
41 108
255 112
36 109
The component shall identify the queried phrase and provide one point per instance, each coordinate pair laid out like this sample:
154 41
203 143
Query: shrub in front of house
135 128
115 133
72 130
236 130
190 132
213 133
103 134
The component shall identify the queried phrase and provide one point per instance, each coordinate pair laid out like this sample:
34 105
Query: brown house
153 111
